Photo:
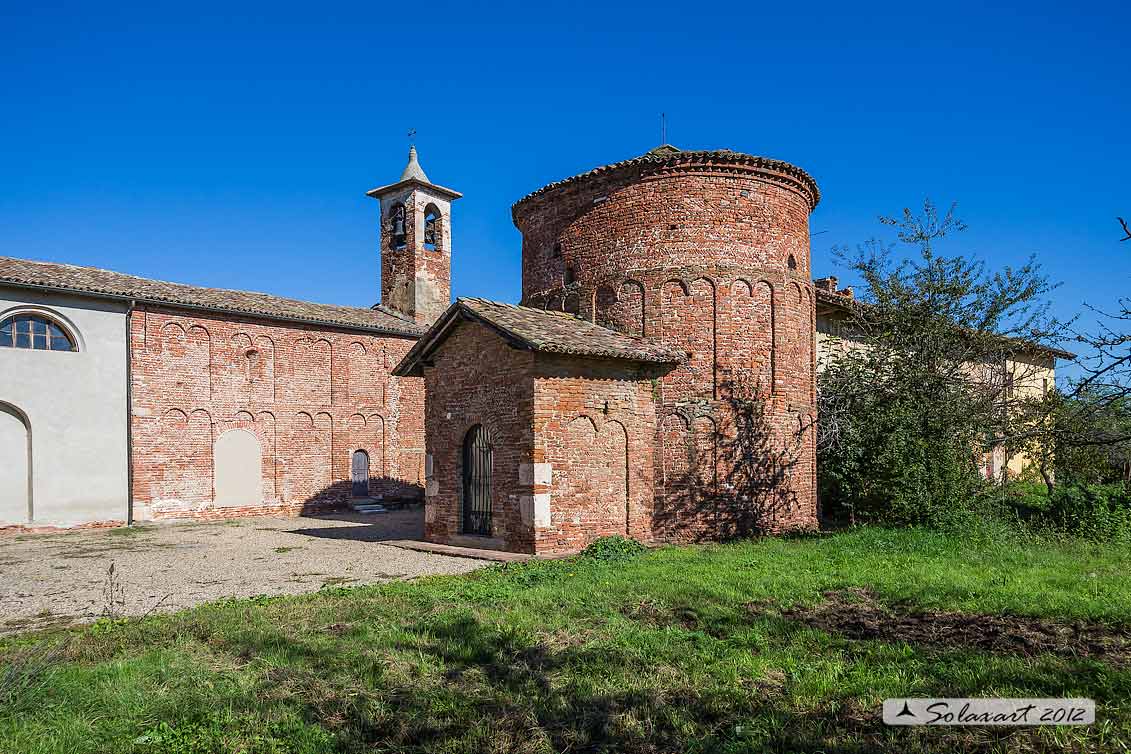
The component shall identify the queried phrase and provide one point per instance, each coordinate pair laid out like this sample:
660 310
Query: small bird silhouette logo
1125 229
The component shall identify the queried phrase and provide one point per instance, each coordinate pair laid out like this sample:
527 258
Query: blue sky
233 148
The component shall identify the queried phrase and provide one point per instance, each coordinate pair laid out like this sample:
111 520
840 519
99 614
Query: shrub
613 548
895 460
1100 512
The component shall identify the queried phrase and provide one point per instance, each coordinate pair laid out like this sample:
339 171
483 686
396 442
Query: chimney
826 284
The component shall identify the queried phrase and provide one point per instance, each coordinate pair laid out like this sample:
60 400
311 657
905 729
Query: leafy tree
925 378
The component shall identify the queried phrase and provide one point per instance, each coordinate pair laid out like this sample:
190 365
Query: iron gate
477 481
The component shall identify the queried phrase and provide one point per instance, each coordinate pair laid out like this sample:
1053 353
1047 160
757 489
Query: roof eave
843 303
214 309
798 175
380 191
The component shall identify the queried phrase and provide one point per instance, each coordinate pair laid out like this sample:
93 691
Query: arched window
397 226
35 332
432 228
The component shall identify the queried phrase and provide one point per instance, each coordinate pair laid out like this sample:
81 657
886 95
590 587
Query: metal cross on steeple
412 136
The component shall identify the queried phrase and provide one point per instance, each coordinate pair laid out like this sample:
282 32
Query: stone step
368 507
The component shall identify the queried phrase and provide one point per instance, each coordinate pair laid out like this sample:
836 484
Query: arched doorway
359 474
239 468
477 481
15 466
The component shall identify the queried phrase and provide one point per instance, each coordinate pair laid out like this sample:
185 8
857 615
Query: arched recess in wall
737 339
766 318
186 357
622 308
574 480
801 324
309 468
688 326
235 374
365 368
266 421
705 457
746 340
200 473
324 460
375 426
612 442
239 469
177 450
310 371
674 452
15 466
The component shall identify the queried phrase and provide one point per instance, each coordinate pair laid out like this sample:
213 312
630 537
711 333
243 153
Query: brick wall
310 396
477 379
593 426
712 259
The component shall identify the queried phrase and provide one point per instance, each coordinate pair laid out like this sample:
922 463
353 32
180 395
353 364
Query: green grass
678 649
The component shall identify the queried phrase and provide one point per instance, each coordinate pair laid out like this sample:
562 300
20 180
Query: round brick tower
707 252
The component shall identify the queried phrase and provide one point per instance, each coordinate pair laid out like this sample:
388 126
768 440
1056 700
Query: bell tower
416 245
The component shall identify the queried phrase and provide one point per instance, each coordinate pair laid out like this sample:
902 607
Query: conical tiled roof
413 170
413 174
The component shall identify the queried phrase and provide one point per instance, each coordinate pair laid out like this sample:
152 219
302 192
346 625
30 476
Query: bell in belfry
398 225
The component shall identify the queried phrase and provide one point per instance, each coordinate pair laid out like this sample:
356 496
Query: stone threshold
475 553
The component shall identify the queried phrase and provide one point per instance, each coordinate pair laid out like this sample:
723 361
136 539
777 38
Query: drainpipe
129 416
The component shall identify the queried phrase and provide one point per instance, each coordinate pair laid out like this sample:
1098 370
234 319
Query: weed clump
613 548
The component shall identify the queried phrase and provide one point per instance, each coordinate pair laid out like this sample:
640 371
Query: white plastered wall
75 408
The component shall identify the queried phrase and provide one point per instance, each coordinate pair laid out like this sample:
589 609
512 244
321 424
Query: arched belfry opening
433 229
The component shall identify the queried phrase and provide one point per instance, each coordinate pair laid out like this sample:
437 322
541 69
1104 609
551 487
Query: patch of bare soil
858 614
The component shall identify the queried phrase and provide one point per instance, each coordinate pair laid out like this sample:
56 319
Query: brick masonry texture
571 442
475 378
710 256
310 396
593 425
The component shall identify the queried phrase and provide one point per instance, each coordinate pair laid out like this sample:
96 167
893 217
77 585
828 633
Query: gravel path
48 579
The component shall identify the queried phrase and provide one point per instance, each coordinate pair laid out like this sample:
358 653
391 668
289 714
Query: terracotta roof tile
667 154
539 330
107 284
